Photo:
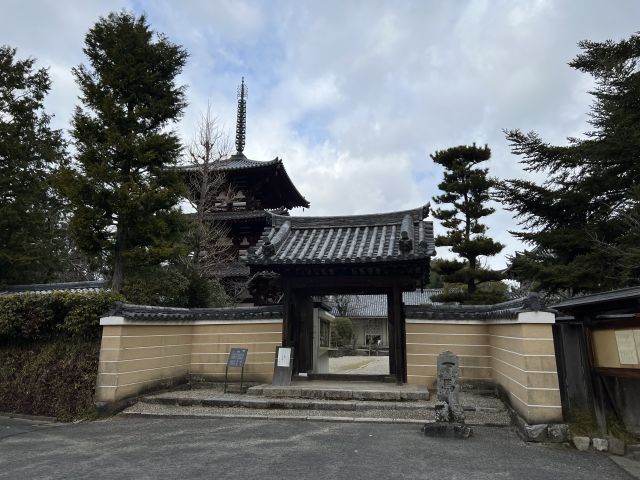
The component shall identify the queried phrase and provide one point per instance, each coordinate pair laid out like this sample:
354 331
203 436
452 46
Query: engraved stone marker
448 372
449 411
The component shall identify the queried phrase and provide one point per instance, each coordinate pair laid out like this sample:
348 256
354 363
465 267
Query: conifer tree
590 196
124 196
466 190
30 214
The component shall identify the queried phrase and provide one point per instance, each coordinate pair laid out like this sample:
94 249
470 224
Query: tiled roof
232 269
376 305
88 286
236 162
509 310
385 237
603 297
242 215
146 312
239 163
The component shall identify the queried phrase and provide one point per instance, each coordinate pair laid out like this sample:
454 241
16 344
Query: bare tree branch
209 192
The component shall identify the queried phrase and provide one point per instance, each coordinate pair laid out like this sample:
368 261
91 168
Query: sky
355 95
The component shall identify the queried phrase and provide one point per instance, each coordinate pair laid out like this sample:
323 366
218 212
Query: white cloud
356 95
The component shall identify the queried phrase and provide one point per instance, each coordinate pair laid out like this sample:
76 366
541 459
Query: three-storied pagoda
258 188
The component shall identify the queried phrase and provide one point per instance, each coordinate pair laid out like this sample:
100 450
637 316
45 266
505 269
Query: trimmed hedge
37 317
55 378
49 351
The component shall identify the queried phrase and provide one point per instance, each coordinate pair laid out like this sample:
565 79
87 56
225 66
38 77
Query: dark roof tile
345 239
603 297
359 306
504 310
151 313
86 286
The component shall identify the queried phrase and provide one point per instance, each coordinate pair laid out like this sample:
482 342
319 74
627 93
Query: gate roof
357 240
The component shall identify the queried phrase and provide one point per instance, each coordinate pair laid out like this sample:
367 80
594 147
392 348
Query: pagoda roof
236 216
239 164
357 239
232 269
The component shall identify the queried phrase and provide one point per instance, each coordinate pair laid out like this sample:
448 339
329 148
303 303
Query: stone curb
309 418
21 416
289 404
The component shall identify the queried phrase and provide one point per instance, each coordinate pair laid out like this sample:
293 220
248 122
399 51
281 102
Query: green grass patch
584 424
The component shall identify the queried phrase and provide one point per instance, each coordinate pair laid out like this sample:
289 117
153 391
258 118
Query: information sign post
237 358
283 367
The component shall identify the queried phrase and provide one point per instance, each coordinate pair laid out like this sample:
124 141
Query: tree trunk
117 280
471 283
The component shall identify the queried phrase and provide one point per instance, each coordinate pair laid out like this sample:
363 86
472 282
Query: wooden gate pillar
397 336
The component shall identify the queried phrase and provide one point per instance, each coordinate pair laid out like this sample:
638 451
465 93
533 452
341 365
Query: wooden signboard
237 358
627 350
283 368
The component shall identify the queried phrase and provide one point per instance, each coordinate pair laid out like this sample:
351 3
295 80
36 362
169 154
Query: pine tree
467 190
590 192
124 196
30 214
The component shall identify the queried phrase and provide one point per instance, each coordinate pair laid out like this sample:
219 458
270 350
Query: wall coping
165 315
536 317
118 320
511 309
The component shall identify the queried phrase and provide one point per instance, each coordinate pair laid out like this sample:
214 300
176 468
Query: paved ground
124 448
360 365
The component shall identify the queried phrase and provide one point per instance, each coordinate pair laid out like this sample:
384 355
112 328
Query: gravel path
360 365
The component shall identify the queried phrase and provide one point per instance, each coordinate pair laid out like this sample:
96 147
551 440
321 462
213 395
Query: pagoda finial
241 125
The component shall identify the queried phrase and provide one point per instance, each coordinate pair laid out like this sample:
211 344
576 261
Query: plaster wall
137 356
516 354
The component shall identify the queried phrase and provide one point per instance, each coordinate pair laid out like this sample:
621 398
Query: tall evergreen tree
591 186
467 190
30 218
123 194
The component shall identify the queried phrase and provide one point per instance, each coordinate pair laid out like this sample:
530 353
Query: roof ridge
54 286
417 214
155 312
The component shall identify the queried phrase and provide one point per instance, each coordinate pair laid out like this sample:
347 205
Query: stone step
633 451
229 401
346 377
348 391
367 415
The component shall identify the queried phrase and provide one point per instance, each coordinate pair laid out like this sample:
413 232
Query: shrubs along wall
34 317
49 345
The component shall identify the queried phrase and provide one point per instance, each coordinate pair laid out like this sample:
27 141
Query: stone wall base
540 432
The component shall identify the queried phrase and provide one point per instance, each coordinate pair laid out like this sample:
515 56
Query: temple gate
303 257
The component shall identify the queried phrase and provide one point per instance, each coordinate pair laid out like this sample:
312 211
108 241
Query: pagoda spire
241 124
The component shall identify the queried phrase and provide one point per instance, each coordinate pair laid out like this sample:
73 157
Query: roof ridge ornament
406 234
241 123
